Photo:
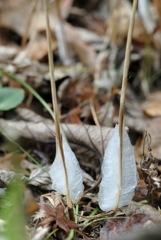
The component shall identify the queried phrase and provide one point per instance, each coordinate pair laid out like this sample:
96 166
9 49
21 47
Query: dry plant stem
125 76
55 103
24 39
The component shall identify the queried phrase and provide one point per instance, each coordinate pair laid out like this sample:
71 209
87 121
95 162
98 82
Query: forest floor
88 44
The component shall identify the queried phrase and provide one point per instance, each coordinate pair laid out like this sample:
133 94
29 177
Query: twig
55 103
125 75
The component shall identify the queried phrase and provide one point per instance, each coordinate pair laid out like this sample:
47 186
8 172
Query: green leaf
10 97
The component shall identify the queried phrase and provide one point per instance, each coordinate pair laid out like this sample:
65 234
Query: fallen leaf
12 162
73 116
106 114
138 218
65 6
91 136
157 6
40 178
119 21
73 93
82 18
16 14
151 105
125 227
55 217
7 176
31 206
84 51
146 15
9 37
54 198
154 129
7 53
40 233
37 48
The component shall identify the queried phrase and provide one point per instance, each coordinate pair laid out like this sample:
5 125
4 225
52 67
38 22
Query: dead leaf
37 48
139 218
84 51
82 18
119 21
65 6
56 217
86 135
7 53
154 129
144 9
106 114
90 37
124 227
40 233
152 104
40 178
12 162
73 93
54 198
15 14
31 206
7 176
30 116
157 6
73 116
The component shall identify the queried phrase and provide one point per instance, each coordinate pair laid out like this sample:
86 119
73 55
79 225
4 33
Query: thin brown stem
125 77
55 103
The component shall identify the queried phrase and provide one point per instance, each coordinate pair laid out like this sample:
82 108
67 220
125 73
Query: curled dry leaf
40 233
147 16
37 48
154 129
40 178
93 137
142 217
126 227
54 217
31 206
158 7
12 162
119 21
7 176
152 105
13 12
81 17
65 6
28 115
90 37
84 51
7 53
